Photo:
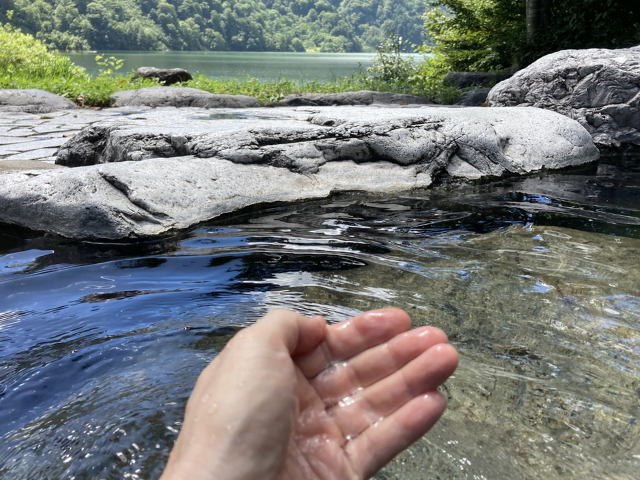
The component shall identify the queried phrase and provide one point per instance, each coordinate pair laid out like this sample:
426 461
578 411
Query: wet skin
293 398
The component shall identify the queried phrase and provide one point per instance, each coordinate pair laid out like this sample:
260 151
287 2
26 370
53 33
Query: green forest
237 25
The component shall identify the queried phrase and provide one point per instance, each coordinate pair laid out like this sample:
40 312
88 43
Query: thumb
299 334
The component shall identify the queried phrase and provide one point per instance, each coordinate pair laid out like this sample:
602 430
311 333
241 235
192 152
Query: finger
300 334
353 336
344 378
354 414
378 444
279 331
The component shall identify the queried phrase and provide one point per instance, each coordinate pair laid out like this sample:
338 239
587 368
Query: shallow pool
536 281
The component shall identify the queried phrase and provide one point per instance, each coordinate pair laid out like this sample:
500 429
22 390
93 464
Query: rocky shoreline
167 158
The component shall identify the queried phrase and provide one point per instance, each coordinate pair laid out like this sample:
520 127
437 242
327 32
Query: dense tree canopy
495 34
254 25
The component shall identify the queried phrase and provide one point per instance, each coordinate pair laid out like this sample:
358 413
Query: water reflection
535 281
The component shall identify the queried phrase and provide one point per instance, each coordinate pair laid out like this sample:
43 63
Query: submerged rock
167 76
597 87
33 101
363 97
228 163
180 97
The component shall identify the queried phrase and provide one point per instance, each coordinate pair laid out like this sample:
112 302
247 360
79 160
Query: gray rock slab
152 197
219 163
363 97
473 98
33 145
474 79
19 132
597 87
180 97
15 140
46 129
33 101
485 141
66 134
32 154
22 165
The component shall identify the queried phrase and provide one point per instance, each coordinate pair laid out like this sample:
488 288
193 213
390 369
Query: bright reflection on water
536 281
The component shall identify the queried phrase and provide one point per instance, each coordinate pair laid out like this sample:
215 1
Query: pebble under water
536 281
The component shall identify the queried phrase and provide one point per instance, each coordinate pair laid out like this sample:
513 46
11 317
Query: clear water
535 280
265 66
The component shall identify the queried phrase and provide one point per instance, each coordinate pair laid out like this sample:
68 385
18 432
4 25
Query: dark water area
536 280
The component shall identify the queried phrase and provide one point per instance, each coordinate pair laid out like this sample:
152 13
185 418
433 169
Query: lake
265 66
535 279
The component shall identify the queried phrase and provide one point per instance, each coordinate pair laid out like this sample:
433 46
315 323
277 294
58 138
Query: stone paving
31 141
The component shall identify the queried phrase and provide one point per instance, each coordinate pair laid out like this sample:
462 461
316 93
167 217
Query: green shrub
22 54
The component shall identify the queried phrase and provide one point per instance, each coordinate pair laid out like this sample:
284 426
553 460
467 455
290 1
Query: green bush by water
21 54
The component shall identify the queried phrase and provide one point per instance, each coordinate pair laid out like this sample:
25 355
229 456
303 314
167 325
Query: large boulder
180 97
599 88
471 142
474 79
216 164
363 97
166 76
33 101
152 197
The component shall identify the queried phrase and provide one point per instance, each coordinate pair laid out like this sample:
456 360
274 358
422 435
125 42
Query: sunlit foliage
239 25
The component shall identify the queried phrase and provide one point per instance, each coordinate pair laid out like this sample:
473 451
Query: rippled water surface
535 280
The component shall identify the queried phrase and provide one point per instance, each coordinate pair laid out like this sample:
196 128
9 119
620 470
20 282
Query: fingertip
434 405
432 335
449 354
311 332
385 319
391 314
435 397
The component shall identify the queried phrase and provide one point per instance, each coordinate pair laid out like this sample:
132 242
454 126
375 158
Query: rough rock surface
180 97
476 141
599 88
222 163
473 98
167 76
32 101
363 97
152 197
474 79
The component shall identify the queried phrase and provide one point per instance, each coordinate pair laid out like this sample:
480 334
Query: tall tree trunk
538 18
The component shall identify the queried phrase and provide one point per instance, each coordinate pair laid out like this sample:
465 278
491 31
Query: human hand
293 398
